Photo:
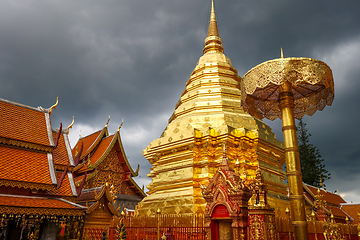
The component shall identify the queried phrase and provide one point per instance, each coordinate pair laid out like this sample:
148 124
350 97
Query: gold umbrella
289 88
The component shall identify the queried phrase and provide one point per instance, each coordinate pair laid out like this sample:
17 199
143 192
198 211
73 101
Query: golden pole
158 223
287 212
293 170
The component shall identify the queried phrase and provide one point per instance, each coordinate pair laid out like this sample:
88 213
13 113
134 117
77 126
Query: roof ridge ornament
70 126
281 53
122 122
54 106
107 121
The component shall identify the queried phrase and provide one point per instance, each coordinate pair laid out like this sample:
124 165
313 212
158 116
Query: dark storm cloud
131 60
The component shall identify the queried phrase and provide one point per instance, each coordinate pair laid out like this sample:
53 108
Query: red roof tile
329 197
23 124
35 202
24 166
336 211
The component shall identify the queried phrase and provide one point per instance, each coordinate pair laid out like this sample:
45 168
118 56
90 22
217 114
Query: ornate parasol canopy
311 81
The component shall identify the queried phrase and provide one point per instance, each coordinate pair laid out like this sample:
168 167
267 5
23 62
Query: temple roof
39 206
333 201
331 198
29 169
37 202
89 142
96 148
28 154
23 123
353 210
62 154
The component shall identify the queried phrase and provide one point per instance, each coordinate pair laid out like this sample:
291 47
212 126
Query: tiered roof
94 150
333 201
36 161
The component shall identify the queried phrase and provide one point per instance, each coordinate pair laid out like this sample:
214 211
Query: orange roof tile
24 166
23 124
101 150
35 202
352 210
60 154
87 141
65 188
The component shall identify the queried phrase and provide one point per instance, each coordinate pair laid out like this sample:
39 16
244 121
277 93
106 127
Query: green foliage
312 166
121 231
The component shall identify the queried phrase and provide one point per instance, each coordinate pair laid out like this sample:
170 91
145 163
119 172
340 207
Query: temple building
188 152
37 189
326 203
100 158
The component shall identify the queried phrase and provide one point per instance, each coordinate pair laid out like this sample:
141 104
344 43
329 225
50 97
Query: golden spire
282 53
213 41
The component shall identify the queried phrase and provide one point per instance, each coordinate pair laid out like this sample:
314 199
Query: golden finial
137 170
212 17
213 30
321 181
70 126
107 121
54 106
122 122
282 53
213 42
79 135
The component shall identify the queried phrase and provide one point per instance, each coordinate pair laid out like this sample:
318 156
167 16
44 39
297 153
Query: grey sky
131 59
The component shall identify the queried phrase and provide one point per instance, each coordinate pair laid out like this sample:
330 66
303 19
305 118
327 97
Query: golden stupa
189 151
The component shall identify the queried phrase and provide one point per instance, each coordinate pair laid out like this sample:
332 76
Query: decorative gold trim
41 211
21 144
37 186
79 166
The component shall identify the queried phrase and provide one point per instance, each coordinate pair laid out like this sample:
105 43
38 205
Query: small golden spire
70 126
282 53
54 106
213 41
122 122
79 135
107 121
